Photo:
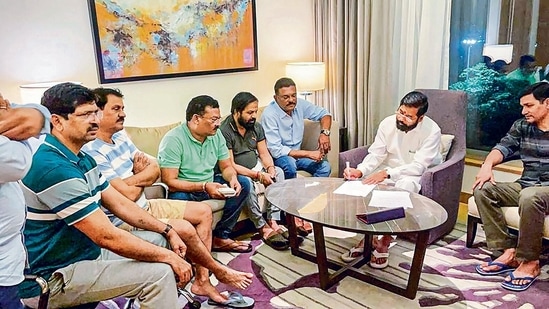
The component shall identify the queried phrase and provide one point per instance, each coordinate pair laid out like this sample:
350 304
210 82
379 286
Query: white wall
51 40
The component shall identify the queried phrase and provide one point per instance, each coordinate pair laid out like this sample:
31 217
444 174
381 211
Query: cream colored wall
51 40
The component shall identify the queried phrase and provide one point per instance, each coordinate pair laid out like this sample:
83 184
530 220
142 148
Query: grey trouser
533 204
251 205
110 276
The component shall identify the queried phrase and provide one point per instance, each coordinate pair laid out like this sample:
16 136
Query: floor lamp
32 93
308 76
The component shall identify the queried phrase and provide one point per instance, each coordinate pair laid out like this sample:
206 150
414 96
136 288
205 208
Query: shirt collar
54 143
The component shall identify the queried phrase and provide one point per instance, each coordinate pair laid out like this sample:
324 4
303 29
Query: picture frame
142 40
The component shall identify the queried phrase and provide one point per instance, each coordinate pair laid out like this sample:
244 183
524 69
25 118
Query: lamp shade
308 76
499 52
32 93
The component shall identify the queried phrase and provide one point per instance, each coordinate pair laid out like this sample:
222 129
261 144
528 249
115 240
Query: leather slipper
503 269
284 232
509 285
276 241
234 247
235 300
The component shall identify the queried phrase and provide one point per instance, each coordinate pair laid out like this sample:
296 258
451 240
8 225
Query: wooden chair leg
472 223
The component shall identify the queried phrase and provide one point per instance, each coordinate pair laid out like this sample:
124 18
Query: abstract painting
142 39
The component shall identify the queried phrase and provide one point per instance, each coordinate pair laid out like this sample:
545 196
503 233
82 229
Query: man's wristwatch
325 132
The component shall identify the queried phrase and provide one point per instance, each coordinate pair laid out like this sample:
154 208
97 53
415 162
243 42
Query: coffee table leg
294 246
417 264
322 258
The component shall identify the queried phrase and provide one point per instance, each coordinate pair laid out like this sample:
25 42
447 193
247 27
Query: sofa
147 139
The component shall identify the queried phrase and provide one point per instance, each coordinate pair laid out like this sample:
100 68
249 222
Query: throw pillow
445 145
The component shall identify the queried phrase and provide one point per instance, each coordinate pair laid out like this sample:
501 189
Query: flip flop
352 254
380 255
236 300
503 269
234 247
509 285
276 241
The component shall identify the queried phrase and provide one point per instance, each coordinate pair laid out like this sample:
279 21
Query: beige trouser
110 276
163 210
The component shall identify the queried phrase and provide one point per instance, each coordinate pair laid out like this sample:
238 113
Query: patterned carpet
448 279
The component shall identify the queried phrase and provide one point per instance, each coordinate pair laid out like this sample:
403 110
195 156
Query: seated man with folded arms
189 155
66 229
129 171
528 137
283 122
248 151
16 126
406 144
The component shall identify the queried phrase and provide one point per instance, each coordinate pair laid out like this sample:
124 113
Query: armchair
441 183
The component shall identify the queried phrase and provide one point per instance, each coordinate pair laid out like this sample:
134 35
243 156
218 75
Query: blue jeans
232 209
9 297
290 166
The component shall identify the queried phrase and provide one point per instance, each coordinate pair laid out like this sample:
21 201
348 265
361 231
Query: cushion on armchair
148 139
445 145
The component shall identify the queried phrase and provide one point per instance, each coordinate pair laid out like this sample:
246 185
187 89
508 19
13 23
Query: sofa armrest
353 156
157 190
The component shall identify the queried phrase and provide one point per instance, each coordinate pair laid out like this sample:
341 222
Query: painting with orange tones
143 39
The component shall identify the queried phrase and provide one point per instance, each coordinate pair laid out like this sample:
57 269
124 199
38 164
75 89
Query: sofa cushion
445 145
511 216
148 139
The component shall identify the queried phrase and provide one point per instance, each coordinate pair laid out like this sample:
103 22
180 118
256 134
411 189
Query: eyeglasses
212 120
401 113
90 115
287 97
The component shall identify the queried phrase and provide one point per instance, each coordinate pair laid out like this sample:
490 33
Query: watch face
326 132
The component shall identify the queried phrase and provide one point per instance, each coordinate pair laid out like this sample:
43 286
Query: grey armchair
441 183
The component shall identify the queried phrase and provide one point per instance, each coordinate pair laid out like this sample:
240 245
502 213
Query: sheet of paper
354 188
390 199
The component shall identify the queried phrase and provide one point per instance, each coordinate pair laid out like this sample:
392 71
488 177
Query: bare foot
525 269
237 279
206 288
507 258
381 246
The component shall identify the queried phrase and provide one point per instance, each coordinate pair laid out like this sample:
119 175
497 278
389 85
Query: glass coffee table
312 199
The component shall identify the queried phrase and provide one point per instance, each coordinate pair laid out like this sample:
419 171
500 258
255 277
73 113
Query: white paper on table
354 188
391 199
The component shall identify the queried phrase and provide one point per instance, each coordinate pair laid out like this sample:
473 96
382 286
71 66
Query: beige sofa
511 217
147 140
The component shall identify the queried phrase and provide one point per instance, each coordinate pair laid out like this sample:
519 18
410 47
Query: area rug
448 279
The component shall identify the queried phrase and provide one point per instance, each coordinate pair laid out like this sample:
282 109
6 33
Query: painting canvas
142 39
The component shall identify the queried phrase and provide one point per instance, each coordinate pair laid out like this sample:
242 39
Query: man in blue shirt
283 122
16 126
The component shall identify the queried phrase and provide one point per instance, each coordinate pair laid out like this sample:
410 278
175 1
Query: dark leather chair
441 183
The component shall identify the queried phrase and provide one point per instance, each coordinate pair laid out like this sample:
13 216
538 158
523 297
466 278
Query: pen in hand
347 167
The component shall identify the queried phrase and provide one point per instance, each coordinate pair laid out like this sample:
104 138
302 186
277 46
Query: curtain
375 52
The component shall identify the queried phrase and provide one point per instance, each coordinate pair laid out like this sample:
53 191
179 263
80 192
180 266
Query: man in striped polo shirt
65 228
129 171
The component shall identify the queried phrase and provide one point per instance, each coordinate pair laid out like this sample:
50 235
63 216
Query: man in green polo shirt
248 150
188 156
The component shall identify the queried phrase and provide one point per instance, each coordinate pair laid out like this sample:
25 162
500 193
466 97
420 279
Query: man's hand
351 173
266 179
211 189
235 185
324 143
375 178
177 244
182 270
316 155
484 174
20 123
140 162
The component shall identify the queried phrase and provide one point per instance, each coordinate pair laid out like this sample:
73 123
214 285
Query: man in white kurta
406 144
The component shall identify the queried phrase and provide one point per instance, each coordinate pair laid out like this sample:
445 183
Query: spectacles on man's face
90 115
287 97
402 114
212 120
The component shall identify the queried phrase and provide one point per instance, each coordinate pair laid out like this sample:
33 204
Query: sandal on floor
234 247
379 255
276 241
352 254
236 300
503 269
509 285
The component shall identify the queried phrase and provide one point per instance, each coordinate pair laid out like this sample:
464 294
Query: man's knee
532 196
245 183
324 169
483 192
288 165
